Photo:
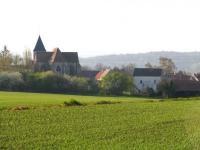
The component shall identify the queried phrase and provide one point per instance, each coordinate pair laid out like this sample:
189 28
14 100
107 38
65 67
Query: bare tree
167 64
5 59
100 67
17 60
27 59
129 68
148 65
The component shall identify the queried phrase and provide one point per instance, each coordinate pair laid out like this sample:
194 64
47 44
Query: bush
79 84
11 81
166 88
47 82
150 92
115 83
73 102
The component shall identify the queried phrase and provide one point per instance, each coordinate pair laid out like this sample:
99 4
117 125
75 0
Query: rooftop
147 72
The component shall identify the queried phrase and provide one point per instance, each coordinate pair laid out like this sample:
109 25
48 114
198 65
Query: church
57 61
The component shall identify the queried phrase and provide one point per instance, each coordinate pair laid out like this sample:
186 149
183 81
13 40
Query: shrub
73 102
11 81
79 84
46 82
115 83
150 92
166 88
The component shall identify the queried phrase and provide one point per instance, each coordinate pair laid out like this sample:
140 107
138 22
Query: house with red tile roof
102 74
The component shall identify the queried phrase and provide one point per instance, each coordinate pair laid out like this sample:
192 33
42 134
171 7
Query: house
100 75
186 87
147 78
57 61
90 74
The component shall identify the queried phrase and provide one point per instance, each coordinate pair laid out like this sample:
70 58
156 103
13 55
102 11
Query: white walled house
147 78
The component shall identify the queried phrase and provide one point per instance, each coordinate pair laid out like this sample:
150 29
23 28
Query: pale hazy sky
98 27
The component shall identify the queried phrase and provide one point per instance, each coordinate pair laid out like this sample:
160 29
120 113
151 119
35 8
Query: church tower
39 47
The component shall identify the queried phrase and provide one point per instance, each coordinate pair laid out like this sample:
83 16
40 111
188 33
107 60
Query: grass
134 123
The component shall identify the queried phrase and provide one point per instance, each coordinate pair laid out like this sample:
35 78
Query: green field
132 123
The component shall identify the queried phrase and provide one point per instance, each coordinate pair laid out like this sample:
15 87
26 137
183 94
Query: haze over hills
188 61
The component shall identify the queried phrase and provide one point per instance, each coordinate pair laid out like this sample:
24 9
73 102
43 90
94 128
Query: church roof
39 47
57 56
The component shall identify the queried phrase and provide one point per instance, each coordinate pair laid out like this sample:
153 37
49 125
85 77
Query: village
151 80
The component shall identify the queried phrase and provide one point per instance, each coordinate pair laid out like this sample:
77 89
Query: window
154 81
140 81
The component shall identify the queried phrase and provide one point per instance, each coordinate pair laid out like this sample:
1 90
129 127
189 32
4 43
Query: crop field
42 121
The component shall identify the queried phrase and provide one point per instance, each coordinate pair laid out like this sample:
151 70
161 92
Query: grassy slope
140 125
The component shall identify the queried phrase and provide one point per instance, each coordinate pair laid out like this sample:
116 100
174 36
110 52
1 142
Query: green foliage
11 81
150 92
51 82
132 124
116 83
166 88
79 84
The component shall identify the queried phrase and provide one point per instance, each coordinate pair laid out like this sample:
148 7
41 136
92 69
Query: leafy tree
166 88
167 64
115 83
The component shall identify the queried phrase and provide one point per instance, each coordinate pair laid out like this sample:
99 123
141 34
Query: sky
101 27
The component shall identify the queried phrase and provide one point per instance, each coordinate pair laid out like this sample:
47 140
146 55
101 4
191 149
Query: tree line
11 62
115 83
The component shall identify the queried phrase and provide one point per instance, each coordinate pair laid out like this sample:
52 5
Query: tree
27 59
128 68
148 65
115 83
100 67
166 88
5 59
167 64
17 60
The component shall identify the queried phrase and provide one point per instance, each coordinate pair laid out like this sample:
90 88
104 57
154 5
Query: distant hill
188 61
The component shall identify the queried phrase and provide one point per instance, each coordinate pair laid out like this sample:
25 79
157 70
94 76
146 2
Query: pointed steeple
39 47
